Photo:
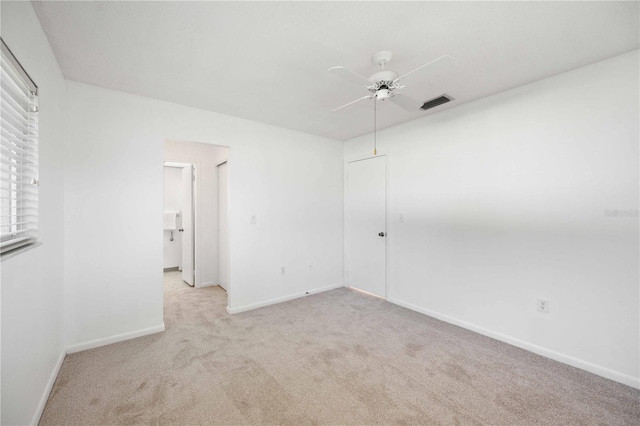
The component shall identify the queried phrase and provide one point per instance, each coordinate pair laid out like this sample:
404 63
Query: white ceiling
268 61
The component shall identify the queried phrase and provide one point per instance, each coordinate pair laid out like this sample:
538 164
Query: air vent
436 102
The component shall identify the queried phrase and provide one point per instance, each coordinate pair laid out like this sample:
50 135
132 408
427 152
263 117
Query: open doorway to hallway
195 228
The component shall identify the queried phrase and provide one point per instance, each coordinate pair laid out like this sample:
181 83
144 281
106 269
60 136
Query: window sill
19 250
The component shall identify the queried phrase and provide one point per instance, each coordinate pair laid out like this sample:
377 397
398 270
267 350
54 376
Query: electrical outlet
401 218
543 305
254 219
283 271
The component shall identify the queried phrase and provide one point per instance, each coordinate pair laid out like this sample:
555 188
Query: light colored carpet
335 358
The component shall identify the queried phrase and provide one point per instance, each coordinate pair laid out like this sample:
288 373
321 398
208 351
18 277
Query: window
18 156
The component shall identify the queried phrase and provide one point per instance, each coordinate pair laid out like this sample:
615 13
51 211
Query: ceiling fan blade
351 76
426 65
406 102
352 102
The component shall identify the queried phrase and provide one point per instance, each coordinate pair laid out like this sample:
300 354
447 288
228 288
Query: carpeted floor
335 358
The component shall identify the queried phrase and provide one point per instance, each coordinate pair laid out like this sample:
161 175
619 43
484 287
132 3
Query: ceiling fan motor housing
384 84
388 76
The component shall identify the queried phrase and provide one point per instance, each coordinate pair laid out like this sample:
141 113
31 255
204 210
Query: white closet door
188 237
365 232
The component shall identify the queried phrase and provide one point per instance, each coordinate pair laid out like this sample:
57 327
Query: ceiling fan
383 85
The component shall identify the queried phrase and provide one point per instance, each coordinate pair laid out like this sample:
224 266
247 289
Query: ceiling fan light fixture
383 94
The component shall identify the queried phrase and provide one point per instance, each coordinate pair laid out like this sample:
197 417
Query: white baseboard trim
114 339
47 389
252 306
207 284
607 373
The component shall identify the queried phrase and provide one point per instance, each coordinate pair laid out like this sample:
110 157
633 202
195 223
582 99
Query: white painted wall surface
204 157
504 201
113 194
32 282
172 250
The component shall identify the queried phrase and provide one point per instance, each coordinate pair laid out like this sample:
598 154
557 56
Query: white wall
172 198
504 201
204 157
32 331
113 197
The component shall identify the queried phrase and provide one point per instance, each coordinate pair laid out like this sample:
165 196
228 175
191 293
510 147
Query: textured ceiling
268 61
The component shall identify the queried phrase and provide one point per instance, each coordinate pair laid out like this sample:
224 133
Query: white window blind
18 156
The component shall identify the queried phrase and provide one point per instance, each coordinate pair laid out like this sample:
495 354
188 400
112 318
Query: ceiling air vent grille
436 102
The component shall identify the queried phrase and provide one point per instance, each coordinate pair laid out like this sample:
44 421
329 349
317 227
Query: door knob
381 234
180 230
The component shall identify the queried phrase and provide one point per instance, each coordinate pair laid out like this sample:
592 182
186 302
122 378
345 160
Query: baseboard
281 299
207 284
114 339
47 389
607 373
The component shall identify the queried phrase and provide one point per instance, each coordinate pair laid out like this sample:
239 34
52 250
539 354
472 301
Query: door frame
228 289
387 258
194 215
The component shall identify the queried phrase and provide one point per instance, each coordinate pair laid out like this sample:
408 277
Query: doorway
365 225
199 237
